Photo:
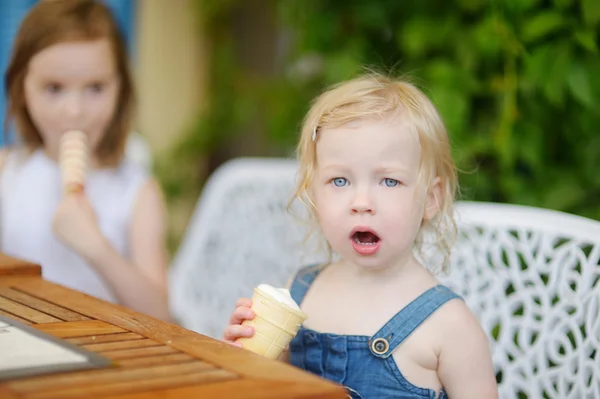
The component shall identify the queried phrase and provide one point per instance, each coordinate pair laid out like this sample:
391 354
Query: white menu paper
25 351
20 349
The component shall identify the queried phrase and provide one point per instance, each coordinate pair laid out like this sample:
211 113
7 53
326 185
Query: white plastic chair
530 275
239 236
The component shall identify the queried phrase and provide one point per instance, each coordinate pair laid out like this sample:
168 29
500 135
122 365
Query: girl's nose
73 108
362 204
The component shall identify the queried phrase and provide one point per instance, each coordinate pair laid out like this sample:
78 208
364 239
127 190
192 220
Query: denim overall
363 364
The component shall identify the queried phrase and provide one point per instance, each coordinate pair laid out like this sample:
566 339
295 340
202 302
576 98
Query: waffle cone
73 160
275 323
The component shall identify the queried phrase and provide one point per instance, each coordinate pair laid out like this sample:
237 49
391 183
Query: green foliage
517 82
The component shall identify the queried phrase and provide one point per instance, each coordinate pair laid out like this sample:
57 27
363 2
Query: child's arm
465 363
140 282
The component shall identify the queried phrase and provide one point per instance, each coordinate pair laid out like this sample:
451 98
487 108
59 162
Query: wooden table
152 359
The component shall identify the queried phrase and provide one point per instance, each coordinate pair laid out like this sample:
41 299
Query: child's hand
76 225
235 329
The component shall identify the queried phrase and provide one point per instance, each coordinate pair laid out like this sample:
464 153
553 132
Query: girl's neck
402 269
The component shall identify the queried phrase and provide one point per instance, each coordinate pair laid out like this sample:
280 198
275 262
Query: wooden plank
6 393
12 316
90 379
139 352
111 346
79 328
139 386
237 360
25 312
242 388
43 306
98 339
172 358
10 266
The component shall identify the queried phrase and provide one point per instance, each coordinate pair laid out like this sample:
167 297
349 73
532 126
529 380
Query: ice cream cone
73 160
275 324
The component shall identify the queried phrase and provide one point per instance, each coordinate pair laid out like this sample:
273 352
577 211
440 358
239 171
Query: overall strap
302 282
399 327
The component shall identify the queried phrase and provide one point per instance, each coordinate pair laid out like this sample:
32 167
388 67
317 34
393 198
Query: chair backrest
239 236
530 275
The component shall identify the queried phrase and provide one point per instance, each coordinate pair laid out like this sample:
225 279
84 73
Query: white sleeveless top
30 192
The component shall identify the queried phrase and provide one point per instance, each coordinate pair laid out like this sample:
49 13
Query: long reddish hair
57 21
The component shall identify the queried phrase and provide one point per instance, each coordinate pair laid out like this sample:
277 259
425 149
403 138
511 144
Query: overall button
380 346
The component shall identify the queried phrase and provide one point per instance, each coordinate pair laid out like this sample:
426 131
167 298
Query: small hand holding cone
275 323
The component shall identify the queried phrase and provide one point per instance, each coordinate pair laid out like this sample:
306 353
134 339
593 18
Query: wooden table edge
10 266
239 361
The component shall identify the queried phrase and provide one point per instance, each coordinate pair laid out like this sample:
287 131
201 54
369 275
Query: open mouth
365 241
366 237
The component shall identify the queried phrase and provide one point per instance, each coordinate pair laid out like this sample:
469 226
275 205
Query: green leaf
591 160
565 193
591 11
563 3
593 67
485 35
369 15
536 65
471 5
555 84
414 37
453 106
519 6
579 85
542 25
441 71
587 40
341 66
531 139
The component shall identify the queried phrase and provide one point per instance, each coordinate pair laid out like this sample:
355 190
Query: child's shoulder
14 155
456 311
459 324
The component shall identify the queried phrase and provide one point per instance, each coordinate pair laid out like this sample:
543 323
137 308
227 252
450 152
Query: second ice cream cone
73 160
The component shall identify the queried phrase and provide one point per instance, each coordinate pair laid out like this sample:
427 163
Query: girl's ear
433 199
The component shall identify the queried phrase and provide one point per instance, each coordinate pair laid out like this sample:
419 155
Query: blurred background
516 81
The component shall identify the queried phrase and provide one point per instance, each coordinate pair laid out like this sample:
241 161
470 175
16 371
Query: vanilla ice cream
280 294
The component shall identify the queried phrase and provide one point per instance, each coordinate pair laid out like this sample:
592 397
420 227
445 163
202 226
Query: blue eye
390 182
340 182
